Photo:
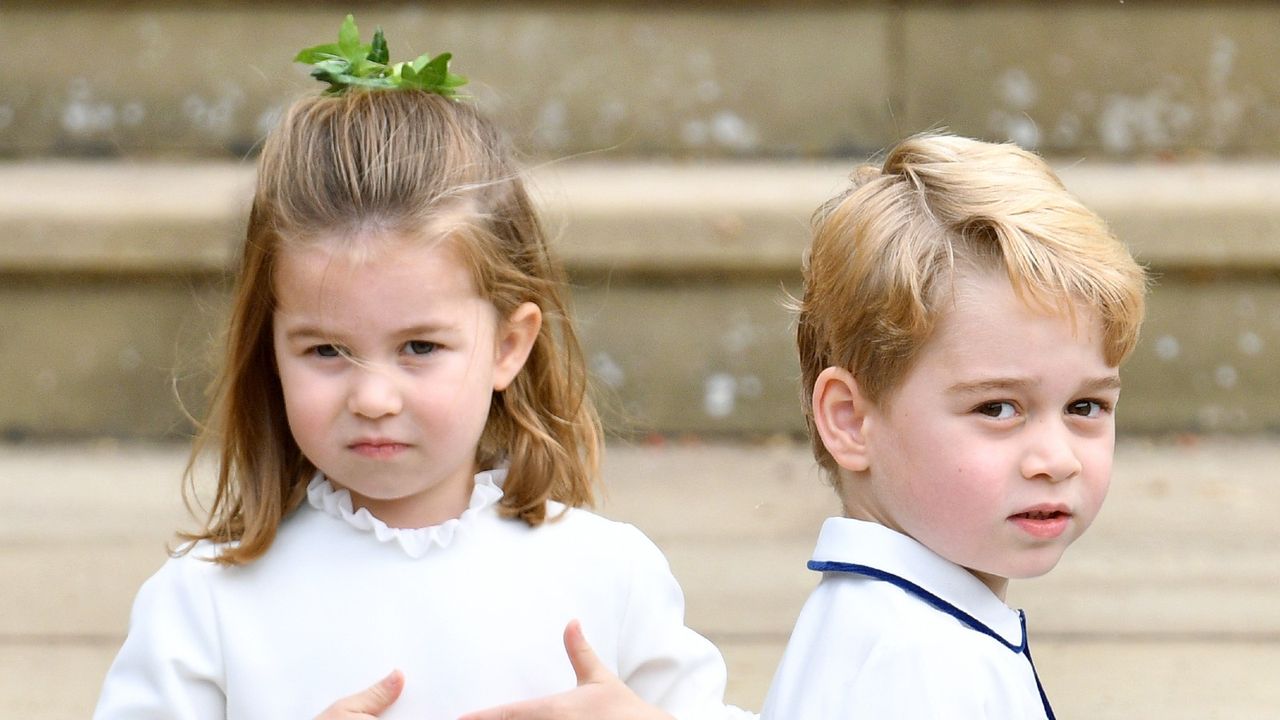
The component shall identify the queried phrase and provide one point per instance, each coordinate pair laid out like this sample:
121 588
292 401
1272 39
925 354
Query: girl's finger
586 666
373 700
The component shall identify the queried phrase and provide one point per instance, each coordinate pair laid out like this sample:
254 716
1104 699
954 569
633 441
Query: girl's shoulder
181 591
582 521
191 564
594 534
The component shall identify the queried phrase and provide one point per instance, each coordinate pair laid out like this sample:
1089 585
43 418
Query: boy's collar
888 555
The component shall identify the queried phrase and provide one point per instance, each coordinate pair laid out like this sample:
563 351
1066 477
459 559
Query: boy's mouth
1041 514
1044 523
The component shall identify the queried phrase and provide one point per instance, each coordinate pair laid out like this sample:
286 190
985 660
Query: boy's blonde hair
416 165
884 253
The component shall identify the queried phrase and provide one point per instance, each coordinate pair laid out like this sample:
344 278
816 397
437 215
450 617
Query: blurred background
678 150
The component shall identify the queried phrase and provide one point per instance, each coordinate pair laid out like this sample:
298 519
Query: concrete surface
1168 608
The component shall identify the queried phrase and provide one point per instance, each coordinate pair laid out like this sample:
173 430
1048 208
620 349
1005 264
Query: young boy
960 334
961 328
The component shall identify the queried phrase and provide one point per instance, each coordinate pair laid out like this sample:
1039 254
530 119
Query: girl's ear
840 413
516 336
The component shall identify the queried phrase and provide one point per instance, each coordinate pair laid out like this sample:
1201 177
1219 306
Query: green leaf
349 63
378 52
349 41
330 68
315 54
368 68
438 69
374 82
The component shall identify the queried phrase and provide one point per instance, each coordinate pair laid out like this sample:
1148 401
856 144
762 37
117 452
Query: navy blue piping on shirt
946 607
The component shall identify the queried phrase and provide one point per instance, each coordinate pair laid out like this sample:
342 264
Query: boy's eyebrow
1108 382
1098 384
983 386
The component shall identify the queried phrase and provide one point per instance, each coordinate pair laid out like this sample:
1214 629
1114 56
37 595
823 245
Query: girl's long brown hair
422 166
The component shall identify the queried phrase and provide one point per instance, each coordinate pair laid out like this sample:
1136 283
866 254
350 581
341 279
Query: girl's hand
600 695
368 703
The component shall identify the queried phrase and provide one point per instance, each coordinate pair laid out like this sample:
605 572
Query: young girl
403 442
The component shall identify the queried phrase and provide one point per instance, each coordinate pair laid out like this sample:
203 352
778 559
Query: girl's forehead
368 246
386 268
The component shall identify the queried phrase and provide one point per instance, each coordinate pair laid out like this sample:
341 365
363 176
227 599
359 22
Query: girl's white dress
472 611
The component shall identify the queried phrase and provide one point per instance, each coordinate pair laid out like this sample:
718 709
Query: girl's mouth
378 449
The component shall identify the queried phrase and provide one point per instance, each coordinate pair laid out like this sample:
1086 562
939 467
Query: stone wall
709 79
680 148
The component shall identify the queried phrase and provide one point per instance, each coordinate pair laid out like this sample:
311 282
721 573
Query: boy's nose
1050 455
373 394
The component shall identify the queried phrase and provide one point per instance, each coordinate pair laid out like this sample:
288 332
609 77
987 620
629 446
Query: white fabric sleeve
170 666
665 662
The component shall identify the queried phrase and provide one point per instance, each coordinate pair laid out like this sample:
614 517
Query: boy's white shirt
865 647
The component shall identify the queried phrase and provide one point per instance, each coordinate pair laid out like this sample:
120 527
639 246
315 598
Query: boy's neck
998 585
859 511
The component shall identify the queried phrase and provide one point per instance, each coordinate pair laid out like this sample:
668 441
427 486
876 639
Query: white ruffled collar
416 542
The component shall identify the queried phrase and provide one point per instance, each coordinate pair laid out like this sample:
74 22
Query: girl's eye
420 347
326 351
1087 408
1001 410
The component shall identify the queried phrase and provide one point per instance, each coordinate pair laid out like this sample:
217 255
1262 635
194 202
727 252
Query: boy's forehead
965 290
985 322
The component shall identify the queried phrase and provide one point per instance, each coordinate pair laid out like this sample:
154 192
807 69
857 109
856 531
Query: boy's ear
839 413
516 336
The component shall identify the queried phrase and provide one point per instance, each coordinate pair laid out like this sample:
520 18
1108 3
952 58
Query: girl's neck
426 509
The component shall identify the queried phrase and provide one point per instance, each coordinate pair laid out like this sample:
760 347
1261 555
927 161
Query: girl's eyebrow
307 331
1092 385
426 328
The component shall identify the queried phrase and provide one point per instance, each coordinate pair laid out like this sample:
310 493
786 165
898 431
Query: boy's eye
1087 408
420 347
997 410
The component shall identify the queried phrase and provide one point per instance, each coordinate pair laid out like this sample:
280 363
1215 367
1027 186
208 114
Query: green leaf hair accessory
349 63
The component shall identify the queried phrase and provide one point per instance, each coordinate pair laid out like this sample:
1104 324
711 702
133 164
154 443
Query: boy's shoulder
885 615
867 647
888 600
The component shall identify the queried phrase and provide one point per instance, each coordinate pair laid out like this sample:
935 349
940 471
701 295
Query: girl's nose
1050 454
373 394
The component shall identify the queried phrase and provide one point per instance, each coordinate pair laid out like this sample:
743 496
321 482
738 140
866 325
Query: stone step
758 78
116 271
1161 605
